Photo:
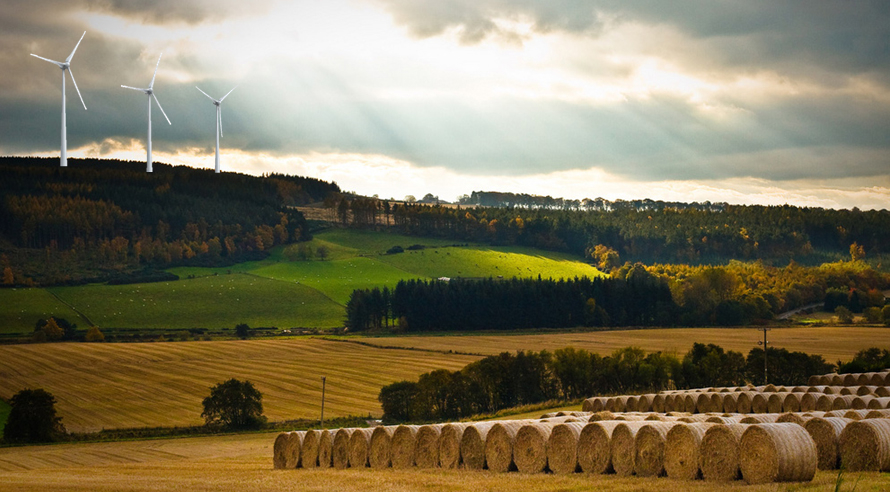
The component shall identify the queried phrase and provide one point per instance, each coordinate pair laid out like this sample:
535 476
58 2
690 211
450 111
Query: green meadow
285 290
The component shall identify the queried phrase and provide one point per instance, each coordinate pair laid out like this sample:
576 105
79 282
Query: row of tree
508 380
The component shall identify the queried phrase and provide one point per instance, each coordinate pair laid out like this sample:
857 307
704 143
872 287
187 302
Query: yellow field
831 342
244 463
162 384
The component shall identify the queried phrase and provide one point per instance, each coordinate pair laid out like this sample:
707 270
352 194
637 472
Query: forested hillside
106 219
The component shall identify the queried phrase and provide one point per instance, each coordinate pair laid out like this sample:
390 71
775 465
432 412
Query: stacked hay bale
426 446
649 448
682 450
782 452
499 445
865 445
450 439
562 447
720 452
826 433
403 447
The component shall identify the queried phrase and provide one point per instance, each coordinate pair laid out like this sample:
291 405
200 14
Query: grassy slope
244 462
163 384
833 343
278 291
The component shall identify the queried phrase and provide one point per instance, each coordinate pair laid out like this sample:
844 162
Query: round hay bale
794 418
658 403
763 418
864 378
656 417
730 402
814 413
404 446
826 433
703 403
450 439
855 414
530 447
279 451
309 450
879 403
594 446
717 401
325 449
791 403
814 380
760 403
617 403
875 379
835 380
472 445
816 389
623 448
562 448
630 405
340 448
644 402
717 419
595 404
649 446
699 417
777 453
848 390
799 389
850 380
867 390
743 404
843 402
630 417
775 403
682 457
499 445
834 413
865 445
426 446
289 450
720 452
824 403
670 402
861 402
689 401
834 390
878 414
360 448
882 391
602 415
769 388
380 447
548 415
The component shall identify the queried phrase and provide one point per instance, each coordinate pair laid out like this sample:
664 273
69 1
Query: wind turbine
66 65
217 103
150 93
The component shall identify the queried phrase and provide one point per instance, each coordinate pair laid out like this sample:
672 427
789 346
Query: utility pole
764 343
323 379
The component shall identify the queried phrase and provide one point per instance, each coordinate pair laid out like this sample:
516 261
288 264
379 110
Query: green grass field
280 291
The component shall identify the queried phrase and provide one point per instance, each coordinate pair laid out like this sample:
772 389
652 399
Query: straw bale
325 449
630 417
630 405
725 420
835 380
594 446
644 403
360 447
879 403
814 413
678 414
549 415
717 402
340 448
769 388
562 448
279 451
825 433
649 446
309 450
530 447
762 418
791 403
426 446
380 446
699 417
794 418
814 380
834 413
703 403
730 402
594 404
864 378
834 390
286 450
743 404
499 445
777 453
404 446
874 379
472 445
775 403
617 403
825 402
720 452
689 402
882 391
850 380
816 389
450 440
865 445
682 458
843 402
878 414
860 402
856 414
866 390
658 403
848 390
657 417
760 403
799 389
602 415
670 402
623 448
808 402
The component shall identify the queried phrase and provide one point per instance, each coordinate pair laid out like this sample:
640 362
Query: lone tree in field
242 331
234 404
32 417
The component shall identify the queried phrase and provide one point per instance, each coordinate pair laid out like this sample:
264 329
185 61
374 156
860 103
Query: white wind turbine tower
150 93
217 103
66 65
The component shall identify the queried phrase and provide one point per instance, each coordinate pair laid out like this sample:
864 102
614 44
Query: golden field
244 463
833 343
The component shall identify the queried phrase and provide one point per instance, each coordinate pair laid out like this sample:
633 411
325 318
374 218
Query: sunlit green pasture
21 308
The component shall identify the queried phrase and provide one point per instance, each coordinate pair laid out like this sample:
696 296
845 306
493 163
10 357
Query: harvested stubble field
833 343
243 463
162 384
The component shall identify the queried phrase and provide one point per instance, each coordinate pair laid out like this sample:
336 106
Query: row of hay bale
766 450
852 379
735 402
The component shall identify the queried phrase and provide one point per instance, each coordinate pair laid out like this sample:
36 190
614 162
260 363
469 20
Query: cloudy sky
741 101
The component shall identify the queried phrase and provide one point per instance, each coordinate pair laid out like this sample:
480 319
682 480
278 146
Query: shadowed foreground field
833 343
244 463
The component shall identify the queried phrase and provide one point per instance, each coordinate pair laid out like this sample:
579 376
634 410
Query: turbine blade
152 84
219 118
75 47
75 88
159 107
134 88
227 94
202 92
47 59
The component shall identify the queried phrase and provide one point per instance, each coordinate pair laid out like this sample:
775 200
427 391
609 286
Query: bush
395 250
844 315
242 331
873 315
94 335
32 417
234 404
